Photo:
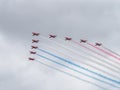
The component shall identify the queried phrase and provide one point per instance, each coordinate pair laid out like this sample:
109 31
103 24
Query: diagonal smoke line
95 52
104 51
102 60
76 59
72 63
71 75
76 70
71 50
111 51
105 62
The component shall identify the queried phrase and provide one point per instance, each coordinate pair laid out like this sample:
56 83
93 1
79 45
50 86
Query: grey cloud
95 20
78 19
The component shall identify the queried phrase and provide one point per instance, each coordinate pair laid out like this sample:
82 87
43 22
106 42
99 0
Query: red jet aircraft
98 44
67 38
34 47
31 58
84 41
35 41
31 52
35 34
52 36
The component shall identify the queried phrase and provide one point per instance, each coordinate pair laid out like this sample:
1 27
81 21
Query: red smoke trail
104 51
88 49
110 51
72 75
94 51
60 52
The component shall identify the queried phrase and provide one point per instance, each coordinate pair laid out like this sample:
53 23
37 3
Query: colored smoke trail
68 55
76 59
103 61
71 75
71 50
104 51
70 62
100 59
75 70
111 51
95 52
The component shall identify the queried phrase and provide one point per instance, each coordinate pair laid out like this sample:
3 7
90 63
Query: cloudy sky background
95 20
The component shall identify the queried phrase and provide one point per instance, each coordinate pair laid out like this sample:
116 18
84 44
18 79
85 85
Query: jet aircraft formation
108 78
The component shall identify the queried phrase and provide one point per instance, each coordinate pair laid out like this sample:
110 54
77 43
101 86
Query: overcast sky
95 20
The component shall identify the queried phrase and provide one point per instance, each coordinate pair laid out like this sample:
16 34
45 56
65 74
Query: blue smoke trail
75 70
76 59
70 62
70 75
